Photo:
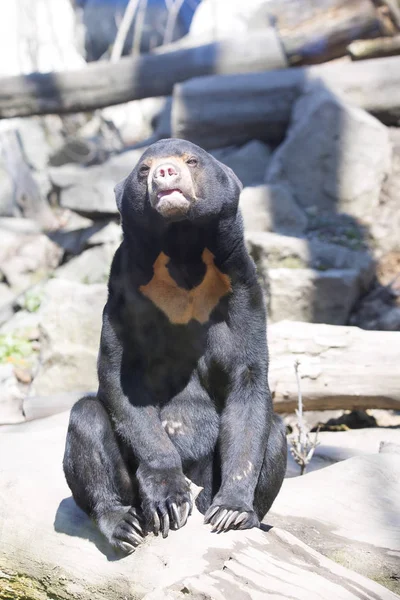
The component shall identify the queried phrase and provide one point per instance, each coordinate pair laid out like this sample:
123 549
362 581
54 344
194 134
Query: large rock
50 549
21 188
306 295
70 323
75 232
271 208
233 109
6 295
30 142
216 111
335 156
108 234
25 256
271 251
90 190
349 512
38 137
92 266
377 310
7 206
78 233
249 161
309 280
138 120
385 219
11 397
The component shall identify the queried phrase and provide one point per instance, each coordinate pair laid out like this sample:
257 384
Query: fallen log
328 30
104 83
340 367
364 49
218 111
319 32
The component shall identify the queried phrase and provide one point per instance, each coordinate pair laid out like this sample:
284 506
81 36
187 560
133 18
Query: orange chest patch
180 305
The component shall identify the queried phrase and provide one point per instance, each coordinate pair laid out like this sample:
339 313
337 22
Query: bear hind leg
98 476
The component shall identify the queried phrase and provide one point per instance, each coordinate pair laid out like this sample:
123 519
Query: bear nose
165 173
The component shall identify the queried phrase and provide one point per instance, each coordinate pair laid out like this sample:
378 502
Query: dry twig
123 29
173 11
302 446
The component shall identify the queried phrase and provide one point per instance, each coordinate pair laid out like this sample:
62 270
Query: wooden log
364 49
103 83
340 367
326 33
319 32
217 111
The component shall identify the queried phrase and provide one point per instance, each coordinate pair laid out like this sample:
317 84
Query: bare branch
123 29
173 12
302 447
137 34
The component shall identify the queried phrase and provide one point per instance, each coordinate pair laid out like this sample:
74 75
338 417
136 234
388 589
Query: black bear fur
183 362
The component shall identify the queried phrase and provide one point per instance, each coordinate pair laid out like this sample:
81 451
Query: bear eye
144 169
192 162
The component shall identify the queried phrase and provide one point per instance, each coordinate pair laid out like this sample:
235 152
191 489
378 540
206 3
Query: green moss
391 583
384 578
14 349
21 587
288 262
32 301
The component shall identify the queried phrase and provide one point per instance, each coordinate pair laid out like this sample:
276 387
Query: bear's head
175 180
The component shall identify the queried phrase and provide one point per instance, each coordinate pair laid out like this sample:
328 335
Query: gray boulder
111 233
7 206
70 323
348 512
78 232
23 189
34 138
384 221
25 258
271 250
139 120
6 295
75 232
90 190
309 280
92 266
271 208
11 397
377 311
19 225
69 558
335 156
306 295
249 161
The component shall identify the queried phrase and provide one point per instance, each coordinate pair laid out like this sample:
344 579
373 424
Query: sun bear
183 363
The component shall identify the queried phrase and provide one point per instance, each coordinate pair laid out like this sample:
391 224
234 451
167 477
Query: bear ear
232 177
119 190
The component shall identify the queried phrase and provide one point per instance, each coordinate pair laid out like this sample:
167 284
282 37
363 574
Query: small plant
32 301
13 349
302 446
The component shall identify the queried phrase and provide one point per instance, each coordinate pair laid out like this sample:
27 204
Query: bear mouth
172 203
